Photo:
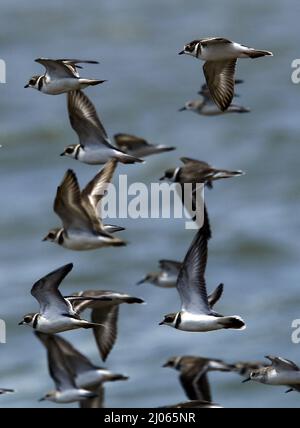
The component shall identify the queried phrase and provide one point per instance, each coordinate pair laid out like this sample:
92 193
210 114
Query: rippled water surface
255 219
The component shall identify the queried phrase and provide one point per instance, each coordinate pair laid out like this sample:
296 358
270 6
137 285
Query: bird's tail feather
132 300
235 323
258 53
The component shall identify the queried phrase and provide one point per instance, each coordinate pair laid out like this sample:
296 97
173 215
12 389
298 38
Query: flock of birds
75 377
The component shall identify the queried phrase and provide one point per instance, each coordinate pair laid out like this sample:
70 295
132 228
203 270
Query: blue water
255 250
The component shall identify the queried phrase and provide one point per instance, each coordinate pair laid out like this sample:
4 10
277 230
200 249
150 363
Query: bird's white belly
84 242
198 323
167 281
91 378
56 325
96 157
69 396
209 110
223 52
60 86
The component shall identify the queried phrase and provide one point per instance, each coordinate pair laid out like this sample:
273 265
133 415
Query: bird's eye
32 82
69 151
27 320
51 236
169 320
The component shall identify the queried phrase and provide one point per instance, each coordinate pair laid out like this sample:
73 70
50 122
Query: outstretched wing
195 383
191 281
85 121
46 291
68 204
96 189
57 69
282 364
220 80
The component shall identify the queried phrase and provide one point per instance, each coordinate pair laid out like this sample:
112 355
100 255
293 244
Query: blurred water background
255 219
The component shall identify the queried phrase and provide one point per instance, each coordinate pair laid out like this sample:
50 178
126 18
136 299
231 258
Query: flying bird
194 374
196 314
66 391
220 56
281 372
78 210
105 311
94 146
61 76
57 313
196 172
85 374
139 147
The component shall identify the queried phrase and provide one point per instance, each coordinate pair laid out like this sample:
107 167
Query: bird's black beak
181 53
247 380
165 365
62 154
142 281
182 109
162 178
21 323
42 399
26 86
161 323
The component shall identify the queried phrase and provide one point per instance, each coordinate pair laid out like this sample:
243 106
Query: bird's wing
220 80
195 382
56 69
96 189
68 204
77 362
106 336
94 403
170 266
130 142
215 296
200 164
46 291
191 281
210 41
59 370
282 364
85 121
90 300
